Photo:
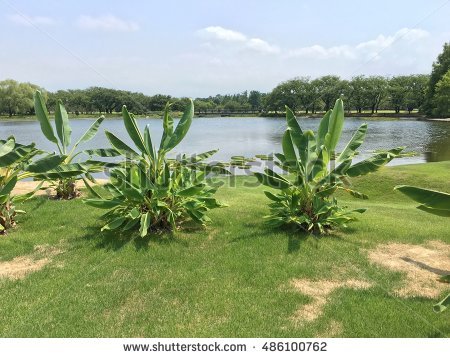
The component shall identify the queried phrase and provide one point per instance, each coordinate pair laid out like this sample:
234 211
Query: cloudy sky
200 48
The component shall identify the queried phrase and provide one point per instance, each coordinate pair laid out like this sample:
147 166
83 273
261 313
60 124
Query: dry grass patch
320 291
333 329
422 266
21 266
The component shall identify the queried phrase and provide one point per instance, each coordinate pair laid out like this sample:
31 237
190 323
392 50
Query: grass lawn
232 279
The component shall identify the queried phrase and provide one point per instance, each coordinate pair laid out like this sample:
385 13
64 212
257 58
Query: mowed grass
231 279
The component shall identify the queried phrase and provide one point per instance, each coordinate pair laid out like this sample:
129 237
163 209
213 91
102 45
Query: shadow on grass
114 241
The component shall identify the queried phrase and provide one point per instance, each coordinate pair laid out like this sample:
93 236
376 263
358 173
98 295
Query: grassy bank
234 278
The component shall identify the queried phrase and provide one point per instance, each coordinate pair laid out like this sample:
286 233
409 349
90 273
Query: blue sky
199 48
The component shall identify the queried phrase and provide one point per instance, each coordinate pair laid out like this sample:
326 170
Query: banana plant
436 203
150 192
315 172
65 186
16 163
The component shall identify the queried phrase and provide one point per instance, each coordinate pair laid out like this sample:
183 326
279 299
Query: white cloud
262 46
25 20
366 50
221 33
227 35
106 23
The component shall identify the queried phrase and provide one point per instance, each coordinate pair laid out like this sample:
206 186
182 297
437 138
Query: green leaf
62 125
272 181
374 163
434 211
182 127
354 143
7 147
293 126
323 129
114 224
9 186
133 130
103 204
431 198
355 193
167 127
288 149
193 190
103 152
42 115
120 146
91 132
133 194
91 189
24 197
148 142
45 164
335 125
443 305
272 196
145 224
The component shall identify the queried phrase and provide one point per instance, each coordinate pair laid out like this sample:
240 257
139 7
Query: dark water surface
250 136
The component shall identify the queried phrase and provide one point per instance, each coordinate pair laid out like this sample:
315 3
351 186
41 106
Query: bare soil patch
24 187
21 266
423 265
320 291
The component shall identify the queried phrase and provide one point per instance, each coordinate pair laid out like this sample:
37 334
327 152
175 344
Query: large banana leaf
133 130
434 202
336 123
374 163
182 128
120 146
90 133
62 126
295 130
167 127
45 164
42 116
354 143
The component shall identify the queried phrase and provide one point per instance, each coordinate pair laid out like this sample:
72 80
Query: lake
250 136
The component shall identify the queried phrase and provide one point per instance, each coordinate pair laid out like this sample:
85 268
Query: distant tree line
429 94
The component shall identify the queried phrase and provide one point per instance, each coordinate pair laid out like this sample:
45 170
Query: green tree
16 97
255 100
441 99
329 87
440 68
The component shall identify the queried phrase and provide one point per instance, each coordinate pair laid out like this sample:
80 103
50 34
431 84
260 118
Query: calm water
250 136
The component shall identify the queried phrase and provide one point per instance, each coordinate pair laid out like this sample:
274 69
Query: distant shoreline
158 115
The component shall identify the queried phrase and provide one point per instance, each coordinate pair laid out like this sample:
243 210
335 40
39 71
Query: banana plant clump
150 192
65 185
305 198
16 164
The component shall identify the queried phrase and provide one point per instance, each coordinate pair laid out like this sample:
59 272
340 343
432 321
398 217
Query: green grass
229 280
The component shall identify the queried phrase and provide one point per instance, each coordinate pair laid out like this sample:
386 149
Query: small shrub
64 185
16 163
305 197
150 192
